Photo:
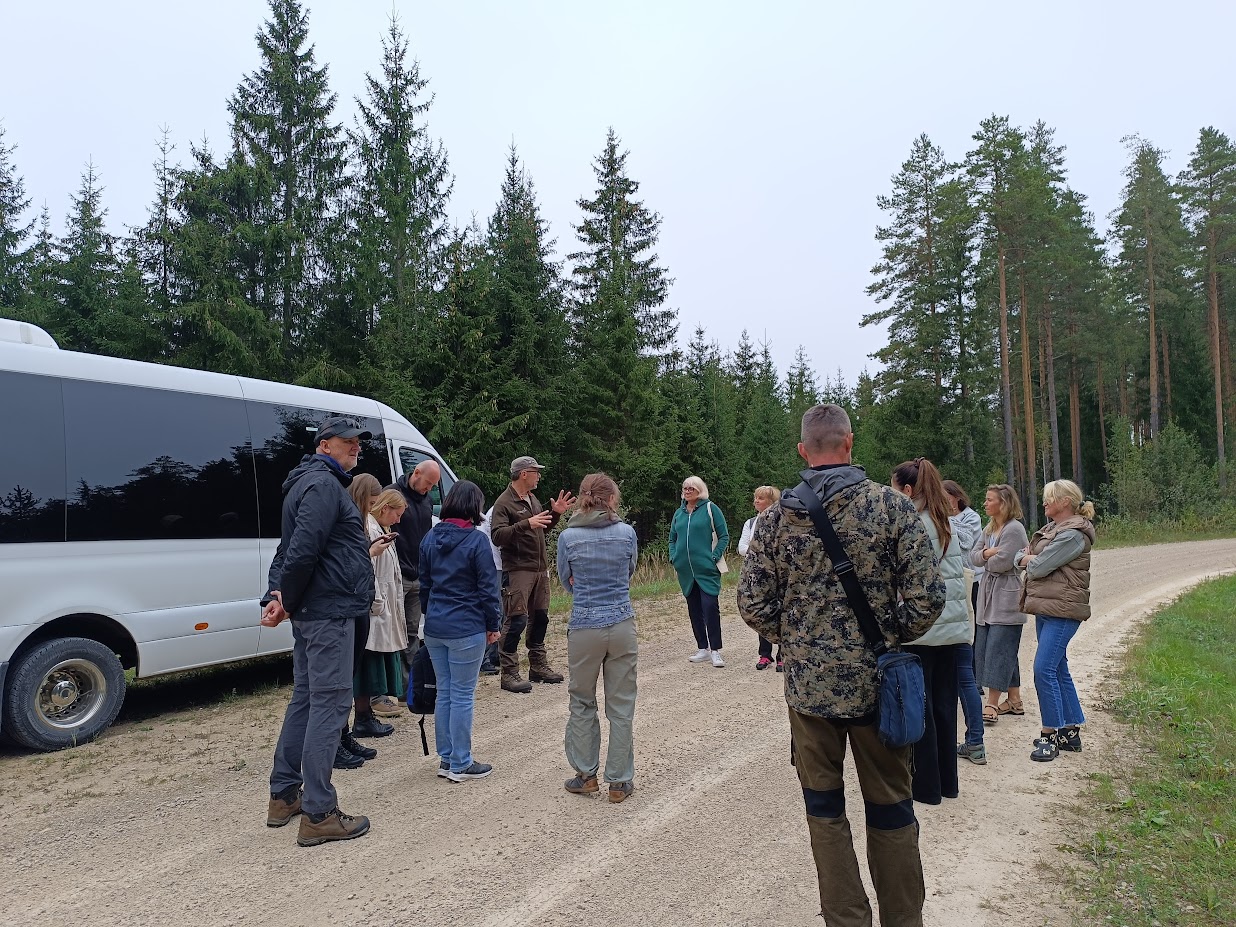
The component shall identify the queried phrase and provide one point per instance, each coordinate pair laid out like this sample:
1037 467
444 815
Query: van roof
24 333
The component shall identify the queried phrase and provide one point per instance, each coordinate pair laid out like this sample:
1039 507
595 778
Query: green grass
654 579
1163 847
1120 532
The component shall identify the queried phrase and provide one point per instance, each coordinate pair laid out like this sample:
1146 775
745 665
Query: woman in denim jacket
597 553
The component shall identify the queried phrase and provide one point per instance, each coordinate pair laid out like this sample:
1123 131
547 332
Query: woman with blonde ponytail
935 756
1057 593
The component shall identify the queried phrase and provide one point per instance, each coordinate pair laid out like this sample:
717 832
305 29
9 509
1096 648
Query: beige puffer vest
1065 591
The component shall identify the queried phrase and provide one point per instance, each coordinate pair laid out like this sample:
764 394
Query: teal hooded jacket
691 550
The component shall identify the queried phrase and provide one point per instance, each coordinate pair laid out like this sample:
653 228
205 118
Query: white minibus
139 512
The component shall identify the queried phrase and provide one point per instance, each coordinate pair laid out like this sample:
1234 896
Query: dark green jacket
691 550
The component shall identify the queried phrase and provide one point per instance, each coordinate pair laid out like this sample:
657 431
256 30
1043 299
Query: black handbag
902 693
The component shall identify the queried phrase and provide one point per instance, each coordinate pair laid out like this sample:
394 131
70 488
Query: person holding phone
379 671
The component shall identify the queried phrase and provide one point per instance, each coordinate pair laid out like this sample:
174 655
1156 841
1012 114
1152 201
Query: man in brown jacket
517 527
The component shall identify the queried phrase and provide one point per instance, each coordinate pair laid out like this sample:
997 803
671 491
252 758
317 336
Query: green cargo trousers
818 748
591 652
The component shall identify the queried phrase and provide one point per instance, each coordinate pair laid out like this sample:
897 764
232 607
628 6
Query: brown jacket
1065 591
522 545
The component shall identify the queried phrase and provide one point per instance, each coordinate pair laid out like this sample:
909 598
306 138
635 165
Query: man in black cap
517 527
322 578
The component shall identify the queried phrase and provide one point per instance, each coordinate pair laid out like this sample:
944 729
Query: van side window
151 463
282 436
410 457
32 460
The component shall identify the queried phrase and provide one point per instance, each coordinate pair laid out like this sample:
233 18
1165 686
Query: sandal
990 714
1011 708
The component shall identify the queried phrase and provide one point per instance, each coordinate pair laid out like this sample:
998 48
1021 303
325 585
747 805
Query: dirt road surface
162 822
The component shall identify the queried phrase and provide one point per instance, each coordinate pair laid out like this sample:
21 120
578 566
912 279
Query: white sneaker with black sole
475 771
700 656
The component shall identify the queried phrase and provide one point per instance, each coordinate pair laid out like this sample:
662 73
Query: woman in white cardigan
935 756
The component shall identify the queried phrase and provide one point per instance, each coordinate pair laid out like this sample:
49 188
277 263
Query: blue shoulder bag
899 676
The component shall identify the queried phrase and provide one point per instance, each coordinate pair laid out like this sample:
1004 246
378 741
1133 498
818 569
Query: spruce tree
87 271
282 127
13 230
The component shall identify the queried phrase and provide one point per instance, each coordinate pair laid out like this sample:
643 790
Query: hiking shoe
356 748
515 683
699 656
444 769
780 666
716 659
975 753
371 727
475 771
488 669
283 807
620 791
1046 748
544 673
385 707
582 785
334 825
346 759
1069 739
763 663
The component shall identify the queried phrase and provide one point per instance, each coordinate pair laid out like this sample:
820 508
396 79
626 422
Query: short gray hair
700 486
825 428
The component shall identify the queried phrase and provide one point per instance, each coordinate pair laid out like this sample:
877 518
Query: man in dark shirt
412 527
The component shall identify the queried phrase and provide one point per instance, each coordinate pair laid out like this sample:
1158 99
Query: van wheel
63 693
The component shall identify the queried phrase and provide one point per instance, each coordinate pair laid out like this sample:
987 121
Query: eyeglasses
689 489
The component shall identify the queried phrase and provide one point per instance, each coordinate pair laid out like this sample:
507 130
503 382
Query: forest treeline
1021 347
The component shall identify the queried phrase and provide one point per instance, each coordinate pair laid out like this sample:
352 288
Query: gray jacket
1000 587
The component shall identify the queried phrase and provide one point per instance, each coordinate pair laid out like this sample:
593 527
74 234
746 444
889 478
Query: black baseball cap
340 426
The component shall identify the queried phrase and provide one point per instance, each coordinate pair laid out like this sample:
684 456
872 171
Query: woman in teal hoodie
697 542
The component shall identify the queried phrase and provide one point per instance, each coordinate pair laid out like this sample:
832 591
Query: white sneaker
699 656
716 659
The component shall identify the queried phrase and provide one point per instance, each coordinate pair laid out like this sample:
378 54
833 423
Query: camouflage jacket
789 593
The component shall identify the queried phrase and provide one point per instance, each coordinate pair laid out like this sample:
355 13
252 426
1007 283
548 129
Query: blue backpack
422 690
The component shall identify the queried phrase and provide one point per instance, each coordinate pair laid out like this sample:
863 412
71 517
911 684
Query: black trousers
935 756
766 647
705 611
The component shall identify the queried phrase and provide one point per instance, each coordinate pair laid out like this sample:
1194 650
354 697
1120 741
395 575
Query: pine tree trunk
1028 409
1154 354
1102 413
1167 374
1075 422
1212 329
1225 345
1053 415
1006 387
1122 388
1019 457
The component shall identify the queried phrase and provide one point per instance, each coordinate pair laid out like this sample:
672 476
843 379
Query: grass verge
1163 851
1123 532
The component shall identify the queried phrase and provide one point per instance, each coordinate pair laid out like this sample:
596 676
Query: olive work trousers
818 749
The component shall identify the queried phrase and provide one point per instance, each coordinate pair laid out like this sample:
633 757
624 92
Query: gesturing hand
564 501
540 519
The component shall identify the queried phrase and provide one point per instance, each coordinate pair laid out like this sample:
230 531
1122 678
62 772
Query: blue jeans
457 664
967 689
1058 702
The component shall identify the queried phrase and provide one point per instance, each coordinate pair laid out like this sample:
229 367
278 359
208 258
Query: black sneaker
475 771
346 759
356 748
1046 748
1069 739
371 727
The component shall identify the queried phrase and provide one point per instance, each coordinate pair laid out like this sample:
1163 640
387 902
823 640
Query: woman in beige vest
1057 593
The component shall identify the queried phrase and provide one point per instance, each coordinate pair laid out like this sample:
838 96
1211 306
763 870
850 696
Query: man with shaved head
412 527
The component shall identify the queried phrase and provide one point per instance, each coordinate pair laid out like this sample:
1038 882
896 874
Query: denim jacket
596 560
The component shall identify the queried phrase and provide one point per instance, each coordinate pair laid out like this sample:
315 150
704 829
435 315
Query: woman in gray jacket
935 756
998 622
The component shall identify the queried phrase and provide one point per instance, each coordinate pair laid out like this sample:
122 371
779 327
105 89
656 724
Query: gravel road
162 822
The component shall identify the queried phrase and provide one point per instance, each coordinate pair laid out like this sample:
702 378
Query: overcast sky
762 133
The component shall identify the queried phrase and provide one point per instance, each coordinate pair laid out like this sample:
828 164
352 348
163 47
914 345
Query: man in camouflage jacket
789 593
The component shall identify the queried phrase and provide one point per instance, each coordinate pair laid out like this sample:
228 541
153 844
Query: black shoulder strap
843 567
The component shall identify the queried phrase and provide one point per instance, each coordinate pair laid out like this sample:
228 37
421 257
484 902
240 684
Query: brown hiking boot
582 784
334 825
620 791
539 669
511 680
280 811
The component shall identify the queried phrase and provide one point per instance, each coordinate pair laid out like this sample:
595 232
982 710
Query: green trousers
591 652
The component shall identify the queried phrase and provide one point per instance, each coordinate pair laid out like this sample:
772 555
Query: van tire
62 693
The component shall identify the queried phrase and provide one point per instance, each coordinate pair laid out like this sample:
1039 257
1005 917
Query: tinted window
150 463
283 435
408 459
31 459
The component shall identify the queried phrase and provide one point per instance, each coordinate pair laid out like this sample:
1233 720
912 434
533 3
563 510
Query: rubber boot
843 900
511 680
897 875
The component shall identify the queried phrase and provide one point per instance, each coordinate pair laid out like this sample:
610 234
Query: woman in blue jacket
463 613
697 542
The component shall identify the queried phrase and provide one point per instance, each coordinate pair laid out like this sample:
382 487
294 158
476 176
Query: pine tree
13 232
88 270
281 126
156 239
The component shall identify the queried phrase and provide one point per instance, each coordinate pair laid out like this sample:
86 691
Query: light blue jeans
1058 702
457 664
967 691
